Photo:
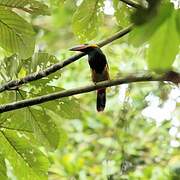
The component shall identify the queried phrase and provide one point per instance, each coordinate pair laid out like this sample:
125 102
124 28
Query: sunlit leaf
122 13
177 17
45 129
30 6
164 45
16 35
41 60
18 152
32 120
65 107
87 18
30 153
3 169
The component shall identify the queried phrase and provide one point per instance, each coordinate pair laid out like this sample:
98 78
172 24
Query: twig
66 93
132 4
38 75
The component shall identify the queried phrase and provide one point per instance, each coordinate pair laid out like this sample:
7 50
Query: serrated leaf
65 108
30 6
69 108
122 13
17 120
45 128
87 18
32 120
164 46
16 35
143 33
30 153
13 147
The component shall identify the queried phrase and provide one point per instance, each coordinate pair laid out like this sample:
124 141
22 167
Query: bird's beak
79 47
82 46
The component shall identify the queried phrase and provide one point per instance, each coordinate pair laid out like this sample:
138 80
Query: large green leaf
16 35
143 33
30 6
44 128
17 120
23 159
87 18
32 120
68 107
164 45
2 168
177 16
122 13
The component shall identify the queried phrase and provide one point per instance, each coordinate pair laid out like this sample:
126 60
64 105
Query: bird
99 69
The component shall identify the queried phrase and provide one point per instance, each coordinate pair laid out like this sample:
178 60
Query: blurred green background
137 136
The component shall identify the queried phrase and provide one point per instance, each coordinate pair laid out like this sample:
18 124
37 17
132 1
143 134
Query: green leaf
31 154
30 6
26 161
41 60
87 18
164 45
68 108
16 35
143 33
177 16
65 108
17 120
143 15
33 120
2 168
57 2
122 13
44 127
11 64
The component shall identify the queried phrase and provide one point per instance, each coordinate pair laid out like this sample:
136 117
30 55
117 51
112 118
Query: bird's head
86 48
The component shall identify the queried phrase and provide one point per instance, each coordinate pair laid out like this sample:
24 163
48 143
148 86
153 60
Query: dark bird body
99 69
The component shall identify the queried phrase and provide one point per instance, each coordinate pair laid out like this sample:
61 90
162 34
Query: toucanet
99 69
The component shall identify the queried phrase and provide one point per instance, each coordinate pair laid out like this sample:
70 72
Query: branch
38 75
172 77
132 4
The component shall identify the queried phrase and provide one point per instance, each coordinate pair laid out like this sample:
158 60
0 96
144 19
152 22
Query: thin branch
175 78
132 4
38 75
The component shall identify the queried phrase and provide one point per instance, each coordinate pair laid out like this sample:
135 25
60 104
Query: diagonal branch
172 77
132 4
35 76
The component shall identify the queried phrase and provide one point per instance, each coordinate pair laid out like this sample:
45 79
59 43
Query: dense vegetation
136 137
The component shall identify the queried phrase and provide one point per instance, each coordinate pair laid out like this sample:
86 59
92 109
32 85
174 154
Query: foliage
87 18
67 138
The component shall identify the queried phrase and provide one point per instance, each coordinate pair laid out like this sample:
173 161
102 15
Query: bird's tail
101 99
